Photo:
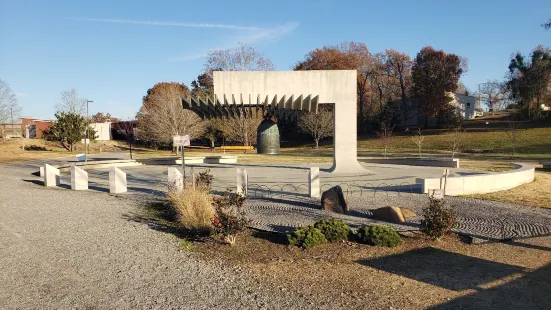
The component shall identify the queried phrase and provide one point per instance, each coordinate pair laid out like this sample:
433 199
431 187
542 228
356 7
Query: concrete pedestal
242 181
175 179
51 176
117 181
314 182
79 179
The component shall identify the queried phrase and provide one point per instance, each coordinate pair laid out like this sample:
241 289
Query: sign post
181 141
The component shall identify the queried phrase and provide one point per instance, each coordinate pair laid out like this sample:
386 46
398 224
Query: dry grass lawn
12 149
417 274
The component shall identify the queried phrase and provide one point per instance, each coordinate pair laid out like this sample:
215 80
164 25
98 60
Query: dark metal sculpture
267 137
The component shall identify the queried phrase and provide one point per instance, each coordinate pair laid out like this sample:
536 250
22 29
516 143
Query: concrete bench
223 159
235 148
546 164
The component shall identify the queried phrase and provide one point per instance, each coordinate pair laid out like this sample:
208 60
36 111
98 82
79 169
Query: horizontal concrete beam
481 183
94 165
237 105
413 161
190 160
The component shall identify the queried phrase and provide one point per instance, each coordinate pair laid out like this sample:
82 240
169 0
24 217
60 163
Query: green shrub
379 235
306 237
333 230
438 219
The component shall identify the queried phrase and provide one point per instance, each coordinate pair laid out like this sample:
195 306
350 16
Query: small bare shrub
204 180
418 139
230 216
194 208
438 219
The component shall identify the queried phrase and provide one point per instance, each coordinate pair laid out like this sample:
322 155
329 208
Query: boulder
389 214
333 200
407 212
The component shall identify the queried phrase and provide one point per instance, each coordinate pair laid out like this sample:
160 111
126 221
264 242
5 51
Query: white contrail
168 23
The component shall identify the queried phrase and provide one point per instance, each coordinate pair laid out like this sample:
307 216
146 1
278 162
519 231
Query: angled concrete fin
204 108
236 110
314 105
228 107
196 108
306 103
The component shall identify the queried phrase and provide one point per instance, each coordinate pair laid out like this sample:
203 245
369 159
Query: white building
464 105
103 131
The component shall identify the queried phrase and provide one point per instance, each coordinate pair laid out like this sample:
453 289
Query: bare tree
418 139
385 133
492 93
241 129
513 133
161 116
126 129
319 125
71 103
9 109
457 138
242 58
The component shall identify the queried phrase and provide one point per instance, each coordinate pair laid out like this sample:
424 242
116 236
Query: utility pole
86 140
11 110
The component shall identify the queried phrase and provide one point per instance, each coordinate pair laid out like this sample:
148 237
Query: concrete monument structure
283 94
117 181
79 179
175 179
51 176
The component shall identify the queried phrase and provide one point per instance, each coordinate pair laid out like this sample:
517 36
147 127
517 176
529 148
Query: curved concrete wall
482 183
413 161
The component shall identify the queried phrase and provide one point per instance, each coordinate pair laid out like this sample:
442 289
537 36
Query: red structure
33 127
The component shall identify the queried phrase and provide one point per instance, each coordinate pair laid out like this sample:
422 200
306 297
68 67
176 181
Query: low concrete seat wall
190 160
482 183
413 161
546 164
95 165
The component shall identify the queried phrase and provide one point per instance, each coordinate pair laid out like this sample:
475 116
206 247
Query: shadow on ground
444 269
531 291
497 285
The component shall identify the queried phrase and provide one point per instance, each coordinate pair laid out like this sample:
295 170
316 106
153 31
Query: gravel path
61 249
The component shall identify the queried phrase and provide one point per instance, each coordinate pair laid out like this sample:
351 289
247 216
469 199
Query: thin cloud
247 37
168 23
244 34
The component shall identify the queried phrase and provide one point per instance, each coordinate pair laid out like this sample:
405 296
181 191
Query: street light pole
86 141
11 110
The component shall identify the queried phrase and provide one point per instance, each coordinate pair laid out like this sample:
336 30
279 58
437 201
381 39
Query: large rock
333 200
389 214
407 212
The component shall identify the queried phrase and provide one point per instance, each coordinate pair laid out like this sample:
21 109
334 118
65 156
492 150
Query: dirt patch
417 274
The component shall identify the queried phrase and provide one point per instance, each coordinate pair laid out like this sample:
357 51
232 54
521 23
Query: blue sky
111 52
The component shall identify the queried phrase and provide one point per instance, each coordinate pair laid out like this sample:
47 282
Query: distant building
103 131
464 108
33 127
9 130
